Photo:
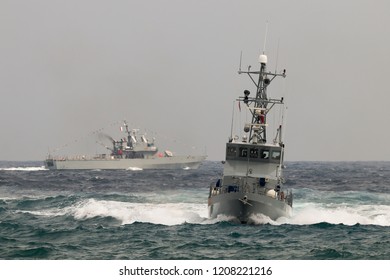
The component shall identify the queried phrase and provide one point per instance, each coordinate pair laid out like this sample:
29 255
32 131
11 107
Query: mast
261 103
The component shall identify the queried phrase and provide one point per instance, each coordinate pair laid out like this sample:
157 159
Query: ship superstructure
135 151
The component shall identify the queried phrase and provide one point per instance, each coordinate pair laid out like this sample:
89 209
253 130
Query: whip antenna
265 37
239 68
277 57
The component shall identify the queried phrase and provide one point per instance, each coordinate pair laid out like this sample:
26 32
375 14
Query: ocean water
341 211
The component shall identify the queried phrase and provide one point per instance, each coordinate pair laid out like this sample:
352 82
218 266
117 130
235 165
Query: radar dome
263 59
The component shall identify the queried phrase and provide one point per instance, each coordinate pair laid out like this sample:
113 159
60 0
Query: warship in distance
252 175
132 152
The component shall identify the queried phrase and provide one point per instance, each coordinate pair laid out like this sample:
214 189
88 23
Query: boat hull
177 162
243 206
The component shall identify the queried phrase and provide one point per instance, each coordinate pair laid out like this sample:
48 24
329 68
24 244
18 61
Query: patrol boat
252 181
133 152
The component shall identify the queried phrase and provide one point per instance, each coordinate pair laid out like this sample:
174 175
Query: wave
311 213
129 213
31 168
134 169
196 213
354 208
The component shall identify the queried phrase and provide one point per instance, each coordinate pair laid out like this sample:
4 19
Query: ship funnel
263 59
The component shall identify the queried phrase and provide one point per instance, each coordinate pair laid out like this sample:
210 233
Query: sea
341 211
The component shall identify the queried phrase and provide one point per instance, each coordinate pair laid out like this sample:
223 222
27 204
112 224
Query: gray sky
71 67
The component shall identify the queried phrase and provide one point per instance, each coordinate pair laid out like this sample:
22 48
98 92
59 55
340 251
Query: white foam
221 218
47 213
134 168
259 219
128 213
32 168
174 213
310 213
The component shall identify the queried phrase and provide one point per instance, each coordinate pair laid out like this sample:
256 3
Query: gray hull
176 162
242 206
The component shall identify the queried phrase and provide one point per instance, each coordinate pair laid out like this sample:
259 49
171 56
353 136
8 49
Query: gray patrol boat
133 152
252 181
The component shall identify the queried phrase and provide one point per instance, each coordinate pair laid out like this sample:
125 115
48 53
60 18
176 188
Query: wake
34 168
347 214
197 213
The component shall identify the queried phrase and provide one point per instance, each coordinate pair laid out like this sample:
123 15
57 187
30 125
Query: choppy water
341 211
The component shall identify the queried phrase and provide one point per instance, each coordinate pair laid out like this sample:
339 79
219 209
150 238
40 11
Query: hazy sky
71 67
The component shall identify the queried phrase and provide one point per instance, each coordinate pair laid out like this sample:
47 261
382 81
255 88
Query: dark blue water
341 211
